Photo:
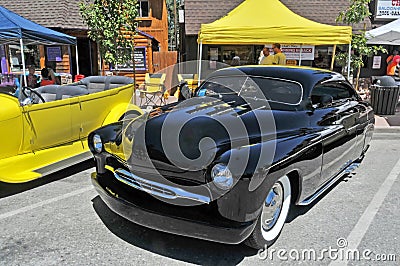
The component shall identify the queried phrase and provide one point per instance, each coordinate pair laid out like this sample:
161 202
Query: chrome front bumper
201 221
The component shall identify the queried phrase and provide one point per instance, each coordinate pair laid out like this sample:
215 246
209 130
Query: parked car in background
45 129
302 129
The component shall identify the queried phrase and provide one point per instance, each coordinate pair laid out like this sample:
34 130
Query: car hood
190 135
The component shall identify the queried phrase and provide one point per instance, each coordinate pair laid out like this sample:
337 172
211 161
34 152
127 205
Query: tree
356 13
173 29
110 21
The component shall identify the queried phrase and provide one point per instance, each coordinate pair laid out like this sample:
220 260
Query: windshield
271 89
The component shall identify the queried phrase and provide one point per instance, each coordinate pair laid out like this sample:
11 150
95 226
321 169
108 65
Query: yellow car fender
11 126
118 112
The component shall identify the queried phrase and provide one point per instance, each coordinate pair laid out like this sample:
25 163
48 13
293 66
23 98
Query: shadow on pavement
172 246
296 210
393 120
8 189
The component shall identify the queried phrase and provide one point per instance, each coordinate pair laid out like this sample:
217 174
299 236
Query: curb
392 130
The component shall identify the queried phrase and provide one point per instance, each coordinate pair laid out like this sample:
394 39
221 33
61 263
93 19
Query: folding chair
153 90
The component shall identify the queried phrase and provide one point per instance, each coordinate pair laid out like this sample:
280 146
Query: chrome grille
157 189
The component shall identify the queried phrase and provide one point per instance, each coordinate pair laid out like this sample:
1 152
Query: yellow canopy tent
269 21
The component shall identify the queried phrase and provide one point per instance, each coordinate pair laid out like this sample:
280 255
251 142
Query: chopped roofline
308 77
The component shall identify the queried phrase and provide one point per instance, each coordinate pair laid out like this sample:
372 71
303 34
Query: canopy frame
249 24
17 30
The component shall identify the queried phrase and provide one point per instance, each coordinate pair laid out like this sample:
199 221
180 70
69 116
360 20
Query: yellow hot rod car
45 129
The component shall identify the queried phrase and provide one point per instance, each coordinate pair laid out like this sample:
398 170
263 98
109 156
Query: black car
227 164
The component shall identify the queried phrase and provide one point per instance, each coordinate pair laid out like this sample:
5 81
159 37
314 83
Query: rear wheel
273 216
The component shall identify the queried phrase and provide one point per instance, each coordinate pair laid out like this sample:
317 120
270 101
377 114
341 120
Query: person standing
267 59
279 57
235 61
391 63
397 71
260 58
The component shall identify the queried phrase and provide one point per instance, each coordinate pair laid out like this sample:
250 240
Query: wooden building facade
152 35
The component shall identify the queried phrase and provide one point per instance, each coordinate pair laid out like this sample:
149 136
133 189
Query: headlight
221 176
97 144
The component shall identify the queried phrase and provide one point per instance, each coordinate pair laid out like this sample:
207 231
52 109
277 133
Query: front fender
108 133
119 111
11 126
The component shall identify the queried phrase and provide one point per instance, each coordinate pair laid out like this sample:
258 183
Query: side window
337 91
143 8
283 91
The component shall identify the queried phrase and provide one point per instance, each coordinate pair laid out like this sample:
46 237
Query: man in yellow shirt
279 57
268 59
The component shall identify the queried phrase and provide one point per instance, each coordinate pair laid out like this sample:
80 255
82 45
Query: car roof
308 77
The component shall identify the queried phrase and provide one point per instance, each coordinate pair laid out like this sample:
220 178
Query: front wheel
274 212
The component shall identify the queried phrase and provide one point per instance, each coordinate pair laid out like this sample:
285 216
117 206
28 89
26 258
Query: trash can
384 99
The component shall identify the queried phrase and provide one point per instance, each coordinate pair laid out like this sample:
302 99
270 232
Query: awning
387 34
269 21
13 28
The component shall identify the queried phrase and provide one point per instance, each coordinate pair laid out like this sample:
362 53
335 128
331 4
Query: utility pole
175 27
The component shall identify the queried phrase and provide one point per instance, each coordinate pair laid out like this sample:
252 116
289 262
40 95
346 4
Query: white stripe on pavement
45 202
359 230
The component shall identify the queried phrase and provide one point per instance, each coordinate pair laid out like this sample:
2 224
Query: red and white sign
292 52
387 9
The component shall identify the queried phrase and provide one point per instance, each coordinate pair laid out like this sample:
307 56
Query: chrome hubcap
272 207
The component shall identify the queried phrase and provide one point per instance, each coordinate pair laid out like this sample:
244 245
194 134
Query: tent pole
23 61
77 57
70 60
348 66
200 56
301 53
333 56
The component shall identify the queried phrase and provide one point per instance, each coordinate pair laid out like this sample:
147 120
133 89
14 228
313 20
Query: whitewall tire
274 212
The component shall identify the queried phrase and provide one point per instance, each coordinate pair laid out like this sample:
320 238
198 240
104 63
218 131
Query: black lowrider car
226 164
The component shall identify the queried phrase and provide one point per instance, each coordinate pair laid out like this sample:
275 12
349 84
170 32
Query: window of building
243 53
323 57
32 57
143 8
140 59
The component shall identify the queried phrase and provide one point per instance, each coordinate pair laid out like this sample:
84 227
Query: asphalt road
60 220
